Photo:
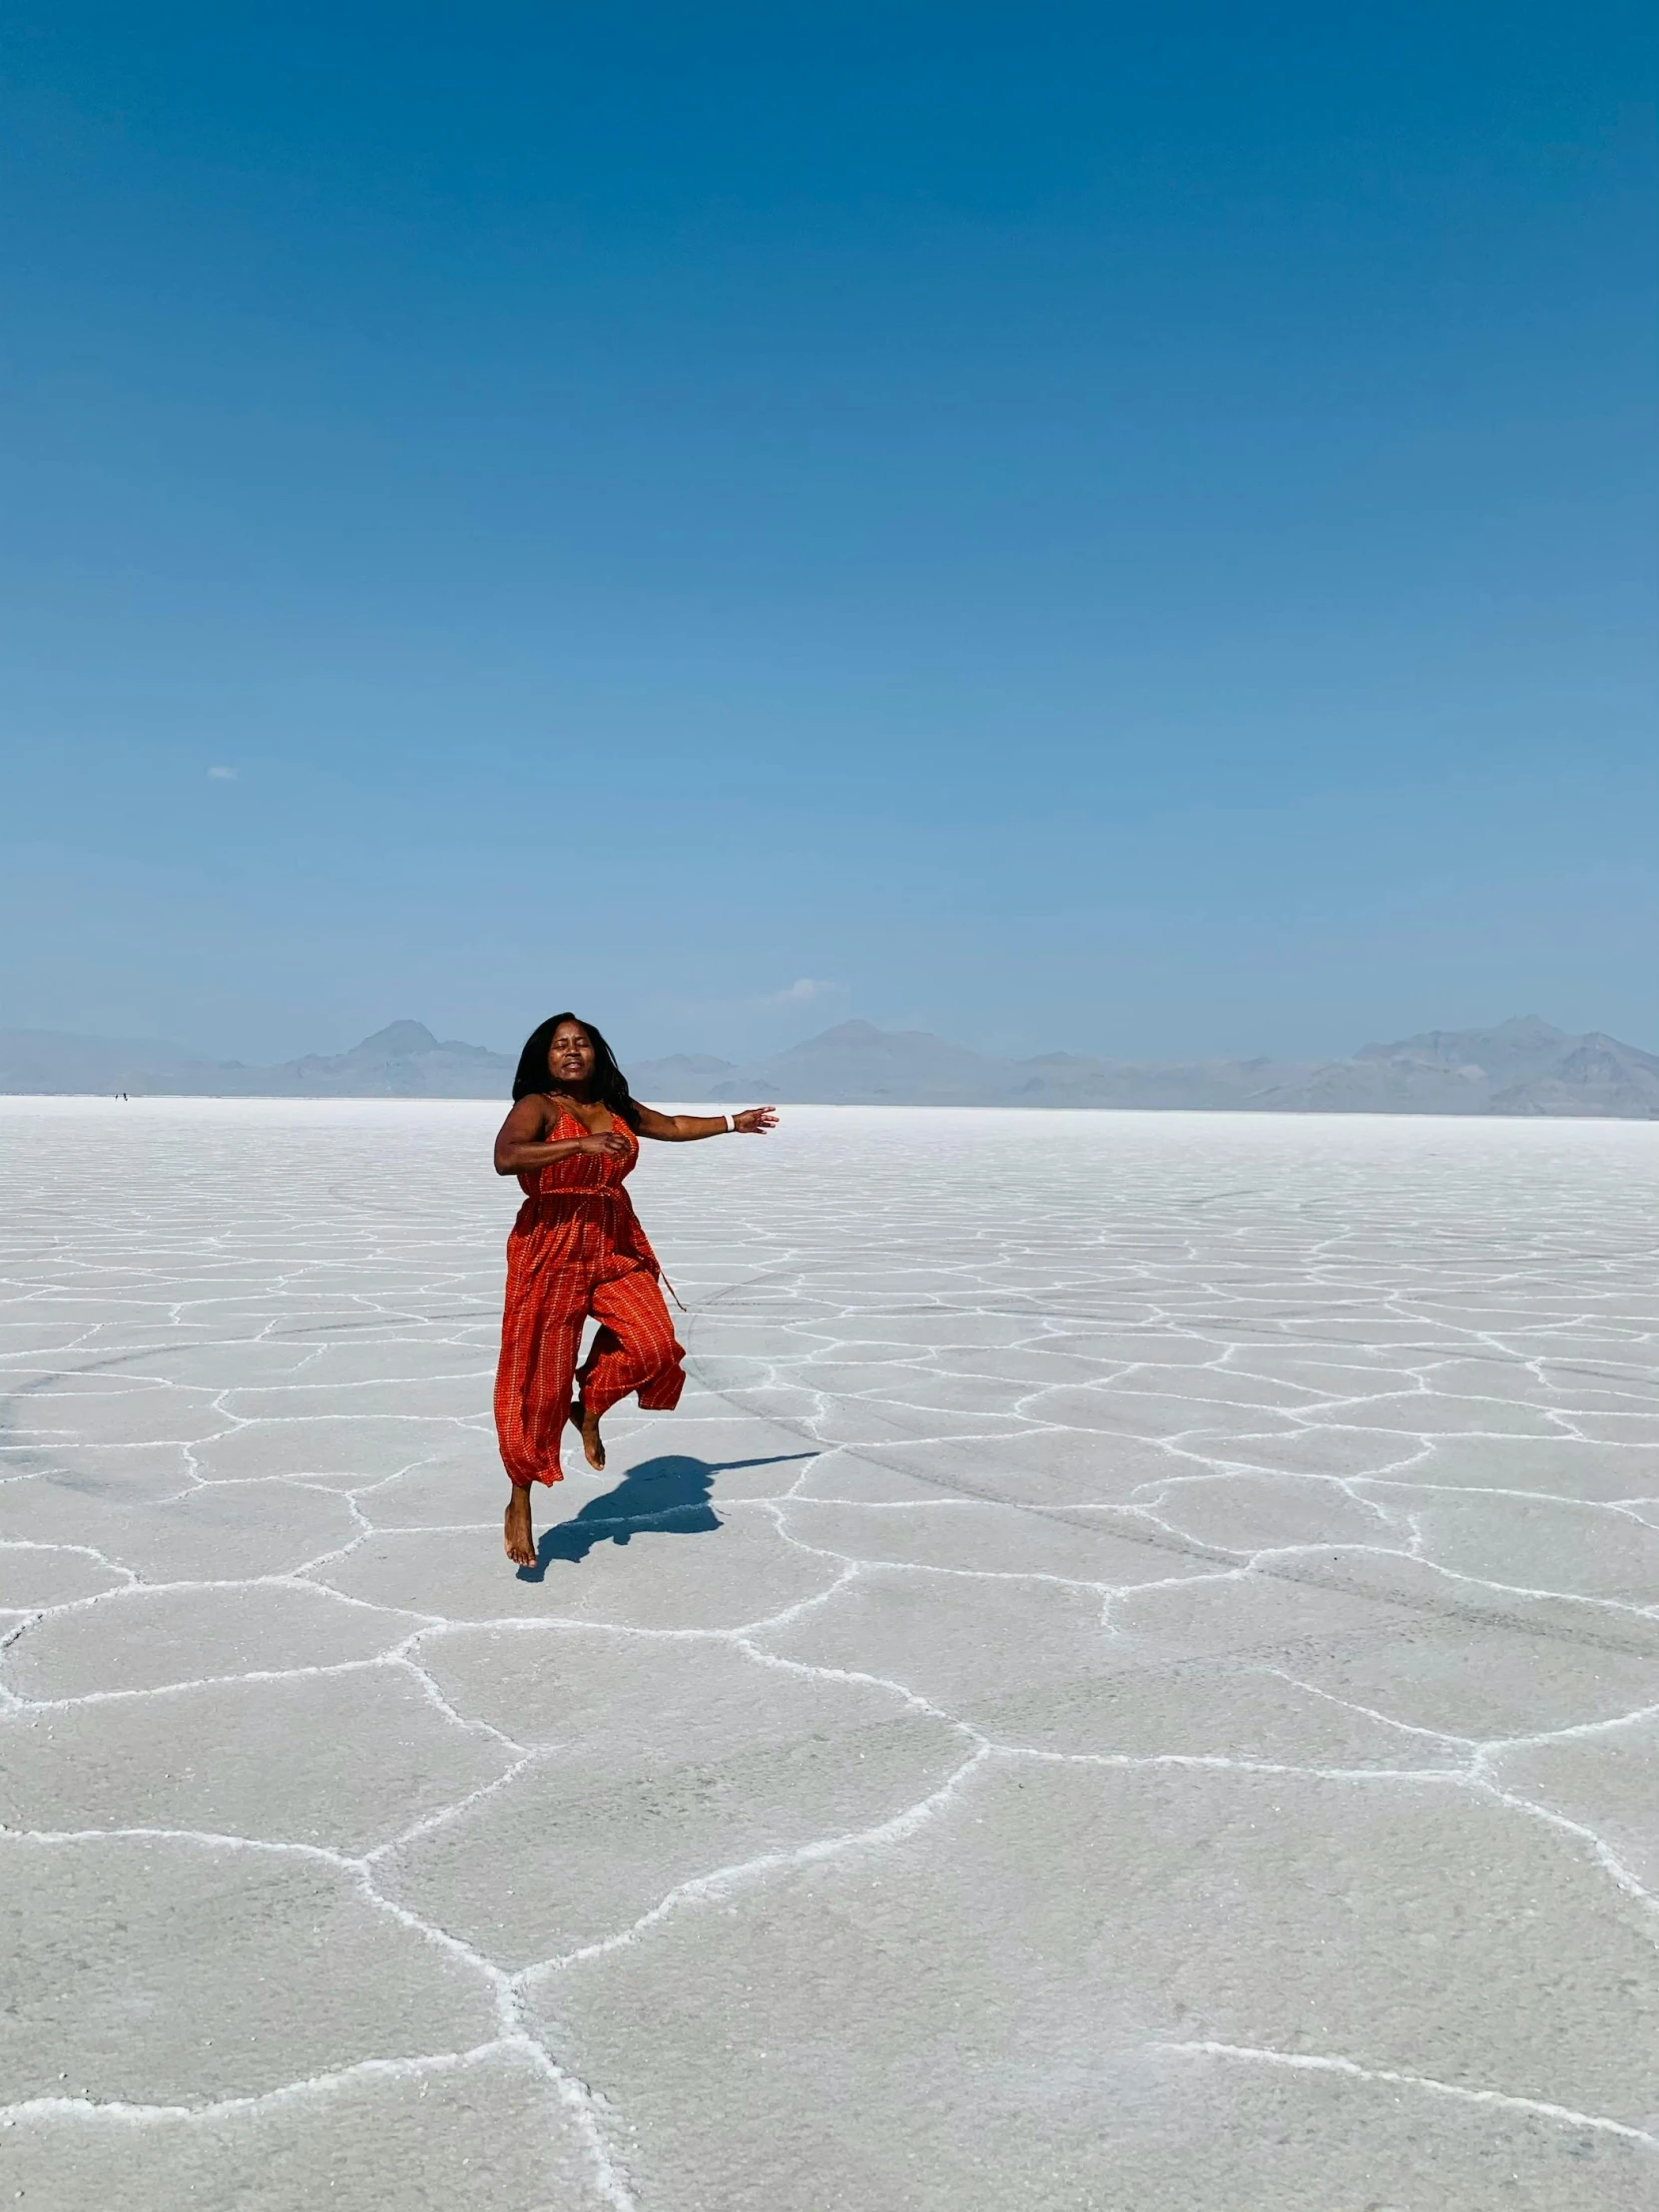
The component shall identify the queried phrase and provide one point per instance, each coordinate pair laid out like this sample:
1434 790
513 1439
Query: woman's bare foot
521 1537
593 1450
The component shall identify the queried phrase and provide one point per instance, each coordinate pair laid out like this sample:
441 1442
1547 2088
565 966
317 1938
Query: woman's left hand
755 1120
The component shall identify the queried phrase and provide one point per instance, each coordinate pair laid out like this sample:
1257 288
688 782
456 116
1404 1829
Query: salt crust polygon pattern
1232 1493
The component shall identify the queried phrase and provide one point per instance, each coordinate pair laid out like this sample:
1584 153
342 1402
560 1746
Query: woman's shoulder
535 1110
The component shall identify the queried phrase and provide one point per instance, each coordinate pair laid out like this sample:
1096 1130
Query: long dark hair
608 1084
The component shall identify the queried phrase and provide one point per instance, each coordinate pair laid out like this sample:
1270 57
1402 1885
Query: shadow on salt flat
666 1496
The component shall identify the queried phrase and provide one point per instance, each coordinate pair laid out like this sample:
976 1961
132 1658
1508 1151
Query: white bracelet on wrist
730 1125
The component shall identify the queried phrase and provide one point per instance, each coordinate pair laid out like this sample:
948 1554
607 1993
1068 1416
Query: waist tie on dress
611 1191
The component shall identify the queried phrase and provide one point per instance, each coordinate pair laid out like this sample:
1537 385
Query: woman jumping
577 1249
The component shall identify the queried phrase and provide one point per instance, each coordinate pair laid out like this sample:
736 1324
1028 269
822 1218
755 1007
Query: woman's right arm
521 1147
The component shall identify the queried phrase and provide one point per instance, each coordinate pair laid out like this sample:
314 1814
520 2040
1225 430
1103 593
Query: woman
578 1249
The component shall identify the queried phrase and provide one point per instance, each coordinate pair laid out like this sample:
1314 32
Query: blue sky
1076 527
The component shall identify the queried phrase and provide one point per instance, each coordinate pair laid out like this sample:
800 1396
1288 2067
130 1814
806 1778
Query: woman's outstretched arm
754 1121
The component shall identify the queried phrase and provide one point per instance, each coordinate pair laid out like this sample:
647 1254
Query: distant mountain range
403 1061
1520 1067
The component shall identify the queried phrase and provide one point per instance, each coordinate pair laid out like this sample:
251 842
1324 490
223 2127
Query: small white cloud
805 990
222 776
802 991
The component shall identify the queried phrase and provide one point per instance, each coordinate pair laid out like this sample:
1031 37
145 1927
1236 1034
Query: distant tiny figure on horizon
577 1249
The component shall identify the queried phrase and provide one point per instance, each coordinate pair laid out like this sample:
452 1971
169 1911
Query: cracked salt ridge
1311 2063
915 1816
291 2093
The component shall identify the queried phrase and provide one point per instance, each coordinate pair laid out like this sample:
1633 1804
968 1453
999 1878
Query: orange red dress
577 1249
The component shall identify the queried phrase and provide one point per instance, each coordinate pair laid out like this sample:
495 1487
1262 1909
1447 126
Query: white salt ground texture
1131 1684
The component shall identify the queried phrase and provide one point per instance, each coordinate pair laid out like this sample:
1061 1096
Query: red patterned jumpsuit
577 1249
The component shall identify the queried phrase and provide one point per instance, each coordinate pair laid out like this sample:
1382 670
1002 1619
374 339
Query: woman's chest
590 1167
575 1118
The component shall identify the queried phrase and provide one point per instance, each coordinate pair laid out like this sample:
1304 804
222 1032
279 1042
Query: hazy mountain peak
1506 1047
844 1032
399 1038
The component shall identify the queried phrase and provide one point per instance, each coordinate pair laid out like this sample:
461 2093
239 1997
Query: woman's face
569 1056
